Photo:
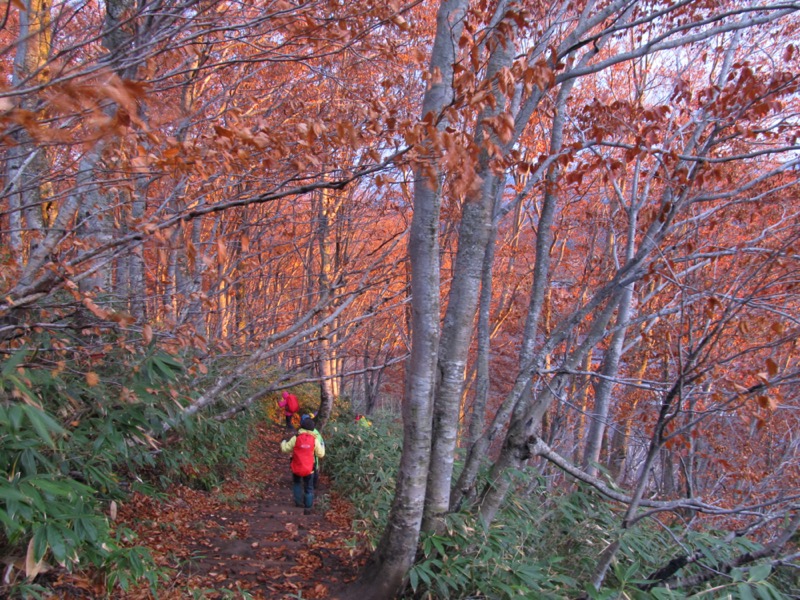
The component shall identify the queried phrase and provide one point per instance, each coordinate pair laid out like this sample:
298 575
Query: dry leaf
32 567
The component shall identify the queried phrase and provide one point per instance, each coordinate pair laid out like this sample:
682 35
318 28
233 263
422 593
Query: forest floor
244 537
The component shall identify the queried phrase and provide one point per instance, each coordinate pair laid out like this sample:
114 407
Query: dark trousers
289 421
303 488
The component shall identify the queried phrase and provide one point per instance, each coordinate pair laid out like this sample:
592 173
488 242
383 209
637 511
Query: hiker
317 435
305 449
290 405
363 421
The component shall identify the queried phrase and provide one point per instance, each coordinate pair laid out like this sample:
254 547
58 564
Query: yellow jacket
288 445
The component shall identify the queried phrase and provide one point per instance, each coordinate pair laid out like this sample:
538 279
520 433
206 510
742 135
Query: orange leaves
502 125
222 251
310 131
539 75
772 367
93 97
400 22
767 402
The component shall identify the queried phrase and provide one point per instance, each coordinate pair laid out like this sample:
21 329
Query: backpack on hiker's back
303 454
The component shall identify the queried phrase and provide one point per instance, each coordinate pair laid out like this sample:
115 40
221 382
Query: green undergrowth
78 433
362 462
544 544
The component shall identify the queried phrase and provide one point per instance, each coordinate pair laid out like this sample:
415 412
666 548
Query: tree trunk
27 165
477 452
385 572
96 213
605 385
474 234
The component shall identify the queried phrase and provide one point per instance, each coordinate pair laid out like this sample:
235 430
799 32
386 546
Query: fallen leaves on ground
247 535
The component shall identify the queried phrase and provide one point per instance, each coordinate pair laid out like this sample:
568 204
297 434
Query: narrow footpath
247 537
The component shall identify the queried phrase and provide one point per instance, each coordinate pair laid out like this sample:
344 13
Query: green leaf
57 543
744 591
32 496
413 579
759 572
10 493
15 415
63 488
11 364
11 525
39 541
43 423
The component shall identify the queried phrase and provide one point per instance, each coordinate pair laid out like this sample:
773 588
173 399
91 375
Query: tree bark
605 385
27 165
474 235
386 570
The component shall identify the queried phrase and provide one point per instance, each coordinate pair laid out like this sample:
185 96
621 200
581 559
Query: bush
362 461
78 433
61 444
547 546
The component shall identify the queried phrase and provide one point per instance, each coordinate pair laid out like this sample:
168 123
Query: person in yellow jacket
305 449
317 435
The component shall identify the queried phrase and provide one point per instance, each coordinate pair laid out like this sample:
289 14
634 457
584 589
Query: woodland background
560 239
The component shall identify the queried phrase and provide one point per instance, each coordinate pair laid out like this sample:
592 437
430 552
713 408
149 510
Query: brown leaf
772 367
94 308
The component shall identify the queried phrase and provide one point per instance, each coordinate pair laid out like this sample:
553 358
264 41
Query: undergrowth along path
247 537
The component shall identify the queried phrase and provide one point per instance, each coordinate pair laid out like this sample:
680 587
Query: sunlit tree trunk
477 416
474 235
478 451
27 164
327 208
598 417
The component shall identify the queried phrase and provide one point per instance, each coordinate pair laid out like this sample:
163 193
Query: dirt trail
247 535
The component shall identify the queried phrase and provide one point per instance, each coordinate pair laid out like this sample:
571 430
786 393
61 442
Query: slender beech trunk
136 270
527 414
656 441
474 235
477 417
386 569
478 450
605 385
27 165
618 454
96 212
327 208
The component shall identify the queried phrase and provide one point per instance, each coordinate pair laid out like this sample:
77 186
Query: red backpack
291 403
303 455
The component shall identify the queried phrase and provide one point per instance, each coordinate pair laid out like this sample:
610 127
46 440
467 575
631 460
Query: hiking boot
306 511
